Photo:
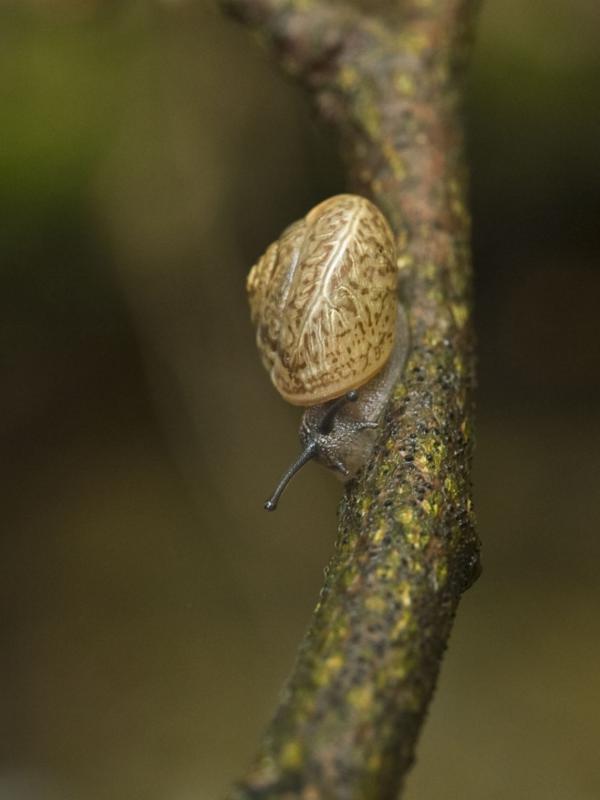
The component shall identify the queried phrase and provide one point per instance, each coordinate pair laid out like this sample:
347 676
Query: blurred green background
151 610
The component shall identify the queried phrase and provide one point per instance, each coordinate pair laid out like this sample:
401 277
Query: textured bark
390 75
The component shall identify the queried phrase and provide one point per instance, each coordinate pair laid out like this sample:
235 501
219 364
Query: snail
330 329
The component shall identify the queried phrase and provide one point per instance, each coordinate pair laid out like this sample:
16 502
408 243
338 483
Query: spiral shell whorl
323 299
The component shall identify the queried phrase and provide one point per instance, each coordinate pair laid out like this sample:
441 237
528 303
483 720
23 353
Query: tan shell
323 299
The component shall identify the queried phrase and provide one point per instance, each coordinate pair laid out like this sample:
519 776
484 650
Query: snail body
330 329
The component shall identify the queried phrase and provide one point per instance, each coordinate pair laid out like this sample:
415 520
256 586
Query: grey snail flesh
355 429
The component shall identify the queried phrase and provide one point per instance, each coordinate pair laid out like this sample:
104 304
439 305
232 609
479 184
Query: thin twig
390 75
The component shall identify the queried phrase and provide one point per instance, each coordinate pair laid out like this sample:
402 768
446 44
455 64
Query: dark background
148 153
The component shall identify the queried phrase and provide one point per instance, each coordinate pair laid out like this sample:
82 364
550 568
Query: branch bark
390 74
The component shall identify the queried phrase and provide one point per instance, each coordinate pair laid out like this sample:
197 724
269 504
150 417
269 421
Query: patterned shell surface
323 299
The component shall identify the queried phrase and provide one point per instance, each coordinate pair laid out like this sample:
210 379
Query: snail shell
323 299
330 329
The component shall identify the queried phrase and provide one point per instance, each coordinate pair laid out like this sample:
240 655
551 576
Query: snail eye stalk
327 421
310 451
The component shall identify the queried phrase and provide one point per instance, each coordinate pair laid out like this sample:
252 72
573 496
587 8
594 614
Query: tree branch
389 74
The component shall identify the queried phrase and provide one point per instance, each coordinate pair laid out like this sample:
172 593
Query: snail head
316 437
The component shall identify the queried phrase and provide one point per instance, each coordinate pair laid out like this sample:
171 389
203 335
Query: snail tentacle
327 421
310 451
